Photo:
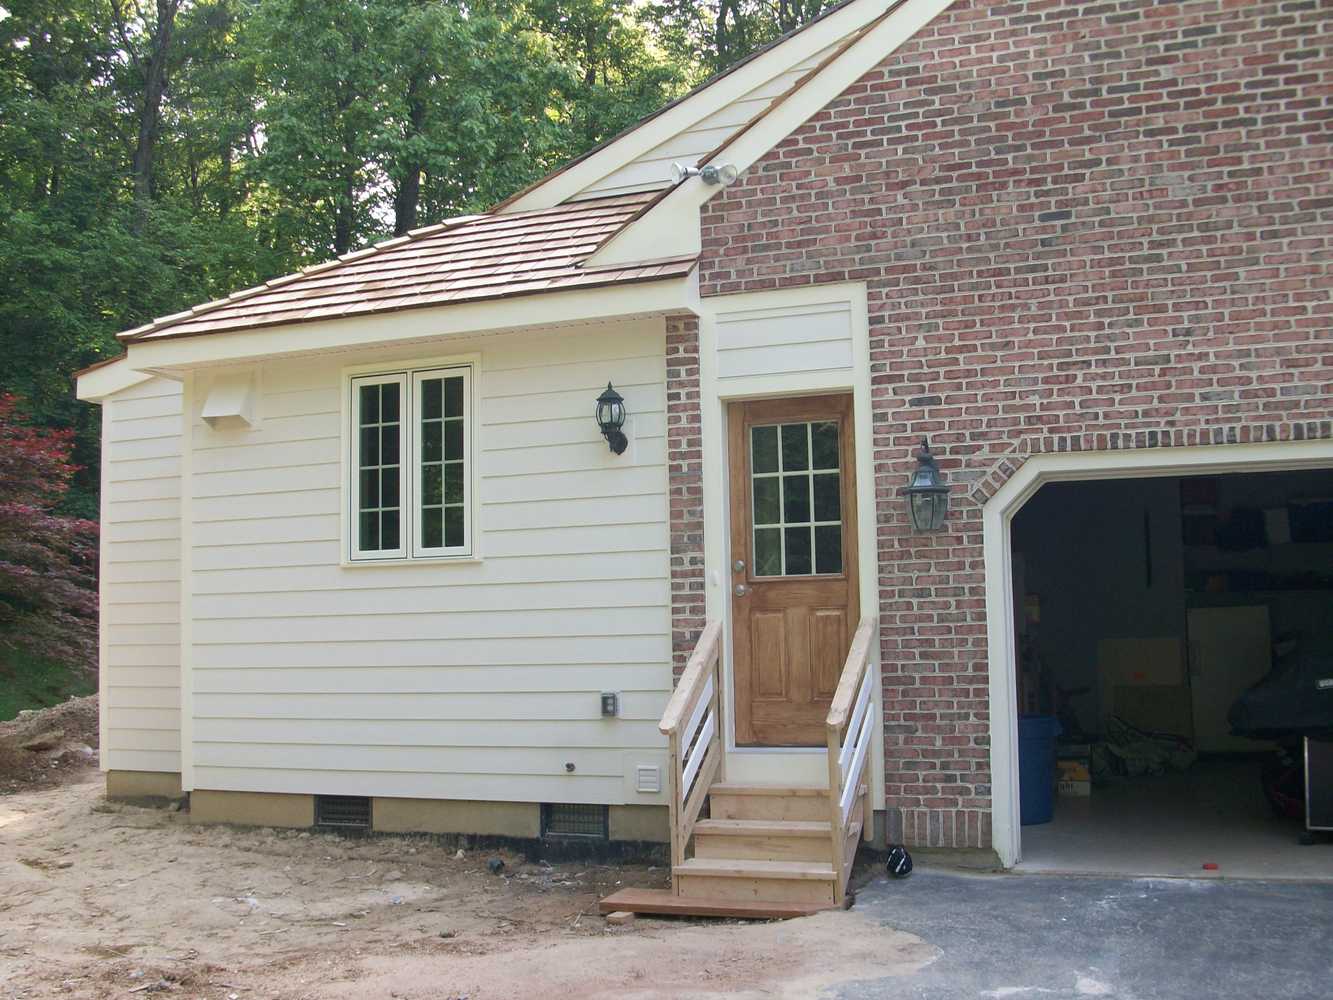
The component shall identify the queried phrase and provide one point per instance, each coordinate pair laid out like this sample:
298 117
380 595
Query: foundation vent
343 812
563 820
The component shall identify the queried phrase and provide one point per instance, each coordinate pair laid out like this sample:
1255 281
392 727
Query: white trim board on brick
997 517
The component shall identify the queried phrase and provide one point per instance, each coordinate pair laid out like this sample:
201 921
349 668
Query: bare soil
73 729
100 899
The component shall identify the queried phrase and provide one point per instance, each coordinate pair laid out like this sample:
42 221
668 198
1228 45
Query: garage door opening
1144 610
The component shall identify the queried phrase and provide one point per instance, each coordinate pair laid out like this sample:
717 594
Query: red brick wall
1082 226
685 487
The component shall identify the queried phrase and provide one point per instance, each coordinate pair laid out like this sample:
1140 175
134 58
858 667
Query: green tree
471 108
320 111
712 35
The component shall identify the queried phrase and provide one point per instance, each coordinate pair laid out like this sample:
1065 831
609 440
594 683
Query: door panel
828 649
768 636
795 604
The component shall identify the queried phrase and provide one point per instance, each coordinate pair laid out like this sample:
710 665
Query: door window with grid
796 496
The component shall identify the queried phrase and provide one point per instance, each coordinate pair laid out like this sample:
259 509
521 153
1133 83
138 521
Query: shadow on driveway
1045 937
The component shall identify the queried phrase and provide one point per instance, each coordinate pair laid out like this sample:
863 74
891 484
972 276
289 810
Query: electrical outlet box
610 704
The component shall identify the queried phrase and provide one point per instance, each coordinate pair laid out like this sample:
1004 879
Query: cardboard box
1073 771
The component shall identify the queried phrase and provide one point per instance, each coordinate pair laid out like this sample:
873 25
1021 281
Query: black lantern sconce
927 493
611 418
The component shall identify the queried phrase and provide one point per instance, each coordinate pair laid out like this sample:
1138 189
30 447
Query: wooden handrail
696 669
692 724
853 701
857 658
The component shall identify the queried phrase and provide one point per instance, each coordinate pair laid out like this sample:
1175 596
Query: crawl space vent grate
566 820
346 812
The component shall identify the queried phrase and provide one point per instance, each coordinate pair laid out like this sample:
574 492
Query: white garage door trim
998 514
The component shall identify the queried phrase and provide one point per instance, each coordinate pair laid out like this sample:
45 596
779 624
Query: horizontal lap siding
140 662
475 680
811 338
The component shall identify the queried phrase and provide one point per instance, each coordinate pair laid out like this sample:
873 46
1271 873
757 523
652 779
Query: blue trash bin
1036 768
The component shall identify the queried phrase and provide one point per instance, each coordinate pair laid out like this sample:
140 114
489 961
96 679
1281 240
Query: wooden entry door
794 603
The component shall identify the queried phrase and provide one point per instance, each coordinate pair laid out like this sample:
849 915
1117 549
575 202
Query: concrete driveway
1045 937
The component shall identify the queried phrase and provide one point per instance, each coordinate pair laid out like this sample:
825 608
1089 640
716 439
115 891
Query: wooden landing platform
663 901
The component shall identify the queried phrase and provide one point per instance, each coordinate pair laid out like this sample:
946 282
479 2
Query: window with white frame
411 464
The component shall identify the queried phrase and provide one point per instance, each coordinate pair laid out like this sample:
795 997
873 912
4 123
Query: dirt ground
100 899
65 746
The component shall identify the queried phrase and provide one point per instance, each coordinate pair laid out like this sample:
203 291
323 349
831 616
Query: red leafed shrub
48 562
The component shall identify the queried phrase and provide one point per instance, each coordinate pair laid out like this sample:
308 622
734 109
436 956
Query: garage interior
1144 608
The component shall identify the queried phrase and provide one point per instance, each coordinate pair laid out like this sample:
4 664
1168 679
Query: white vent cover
648 779
230 402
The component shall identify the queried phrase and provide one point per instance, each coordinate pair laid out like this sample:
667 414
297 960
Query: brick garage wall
1082 226
685 487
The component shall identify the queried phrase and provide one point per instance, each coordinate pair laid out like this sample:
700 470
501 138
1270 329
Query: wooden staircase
762 850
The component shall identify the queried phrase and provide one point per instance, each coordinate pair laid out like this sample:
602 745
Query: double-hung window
411 463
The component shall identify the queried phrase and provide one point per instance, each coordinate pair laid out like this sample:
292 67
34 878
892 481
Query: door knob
741 590
739 566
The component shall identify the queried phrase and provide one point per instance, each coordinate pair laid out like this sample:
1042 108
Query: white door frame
998 513
717 392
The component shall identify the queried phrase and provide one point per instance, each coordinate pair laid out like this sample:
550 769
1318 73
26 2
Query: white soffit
95 384
659 232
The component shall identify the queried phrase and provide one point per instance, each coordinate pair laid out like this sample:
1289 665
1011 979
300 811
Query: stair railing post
834 733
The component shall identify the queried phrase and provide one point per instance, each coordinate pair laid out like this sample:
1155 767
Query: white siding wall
475 680
653 168
811 337
140 597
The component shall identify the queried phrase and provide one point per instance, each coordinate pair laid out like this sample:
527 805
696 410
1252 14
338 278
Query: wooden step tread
763 828
666 902
727 788
729 868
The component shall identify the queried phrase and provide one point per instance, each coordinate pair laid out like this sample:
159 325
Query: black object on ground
900 862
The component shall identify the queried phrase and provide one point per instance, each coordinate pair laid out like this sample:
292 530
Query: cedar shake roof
467 259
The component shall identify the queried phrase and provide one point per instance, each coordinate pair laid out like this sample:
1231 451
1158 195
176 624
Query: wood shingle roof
467 259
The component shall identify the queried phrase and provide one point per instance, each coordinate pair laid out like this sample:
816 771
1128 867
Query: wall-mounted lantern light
611 418
927 493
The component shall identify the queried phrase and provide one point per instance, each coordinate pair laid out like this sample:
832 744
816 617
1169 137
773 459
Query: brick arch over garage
1083 228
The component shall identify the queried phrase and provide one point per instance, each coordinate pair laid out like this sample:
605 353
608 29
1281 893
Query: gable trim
659 232
730 85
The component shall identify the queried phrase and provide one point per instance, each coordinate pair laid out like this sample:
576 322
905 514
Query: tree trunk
224 189
343 218
150 112
407 198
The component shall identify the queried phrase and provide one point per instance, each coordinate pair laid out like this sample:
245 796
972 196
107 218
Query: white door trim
777 764
1276 456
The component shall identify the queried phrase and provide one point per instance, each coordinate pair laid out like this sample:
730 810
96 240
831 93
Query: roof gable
640 158
657 233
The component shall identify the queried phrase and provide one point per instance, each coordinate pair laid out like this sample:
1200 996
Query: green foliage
710 35
158 153
28 681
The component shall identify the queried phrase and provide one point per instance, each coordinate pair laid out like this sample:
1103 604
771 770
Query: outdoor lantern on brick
927 493
611 418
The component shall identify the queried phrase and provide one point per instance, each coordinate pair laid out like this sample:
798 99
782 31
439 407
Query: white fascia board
671 227
695 108
174 356
96 385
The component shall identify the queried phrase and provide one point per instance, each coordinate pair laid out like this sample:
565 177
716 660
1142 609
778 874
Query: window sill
402 563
